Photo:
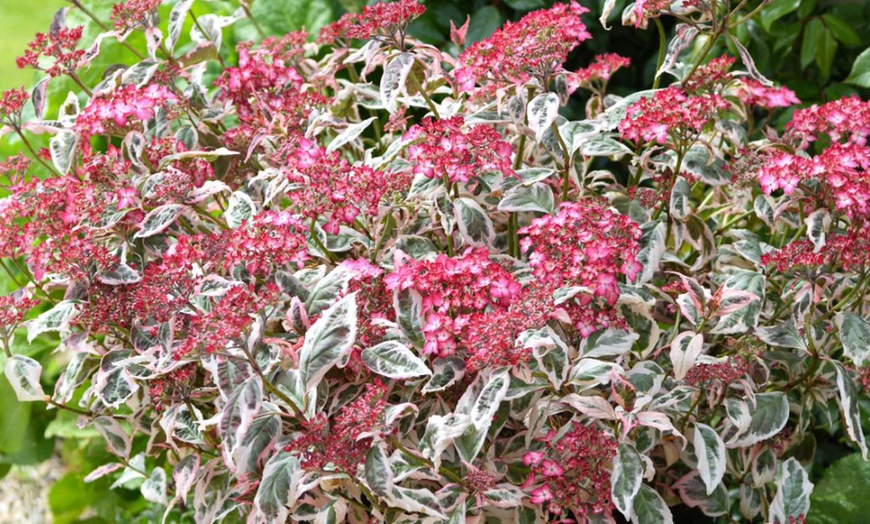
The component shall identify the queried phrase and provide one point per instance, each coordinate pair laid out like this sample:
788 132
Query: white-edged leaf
23 374
537 197
650 508
62 147
378 474
608 343
238 415
854 333
591 406
685 349
817 227
55 319
120 274
542 112
626 478
603 145
447 371
848 400
710 450
176 22
159 219
208 156
481 413
393 80
416 501
767 419
116 438
278 489
328 342
154 487
793 489
475 226
207 189
650 255
349 134
38 97
240 209
102 471
184 475
394 360
679 205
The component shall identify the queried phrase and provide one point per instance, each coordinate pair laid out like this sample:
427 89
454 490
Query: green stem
425 95
663 45
566 159
319 244
711 39
34 153
513 241
253 20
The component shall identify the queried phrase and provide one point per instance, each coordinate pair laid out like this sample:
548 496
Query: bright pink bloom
536 46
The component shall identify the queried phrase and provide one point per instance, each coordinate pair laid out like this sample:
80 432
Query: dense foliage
355 276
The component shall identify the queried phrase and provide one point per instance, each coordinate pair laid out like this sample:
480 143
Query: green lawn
19 21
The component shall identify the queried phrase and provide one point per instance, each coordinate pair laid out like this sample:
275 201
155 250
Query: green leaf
841 30
860 75
525 5
394 360
841 495
283 16
825 53
626 478
483 23
812 41
776 10
328 341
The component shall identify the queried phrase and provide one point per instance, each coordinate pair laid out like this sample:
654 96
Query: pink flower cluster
572 475
11 104
268 242
441 148
325 184
842 169
844 120
585 244
133 13
454 291
389 20
60 46
266 86
755 93
224 324
598 72
669 112
13 308
345 441
536 46
846 251
113 113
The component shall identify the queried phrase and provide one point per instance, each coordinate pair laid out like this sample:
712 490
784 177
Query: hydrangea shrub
353 277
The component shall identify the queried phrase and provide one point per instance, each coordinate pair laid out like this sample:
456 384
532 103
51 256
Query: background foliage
817 48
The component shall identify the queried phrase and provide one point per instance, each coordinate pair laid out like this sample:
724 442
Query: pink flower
551 469
541 495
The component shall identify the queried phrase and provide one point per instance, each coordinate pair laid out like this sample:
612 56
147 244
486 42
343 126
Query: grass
19 21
